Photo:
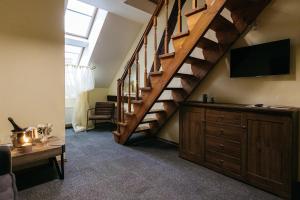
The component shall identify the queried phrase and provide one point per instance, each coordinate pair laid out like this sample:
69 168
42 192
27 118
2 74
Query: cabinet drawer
224 162
225 117
223 146
226 132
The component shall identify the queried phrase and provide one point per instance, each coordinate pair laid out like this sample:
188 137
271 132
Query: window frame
90 24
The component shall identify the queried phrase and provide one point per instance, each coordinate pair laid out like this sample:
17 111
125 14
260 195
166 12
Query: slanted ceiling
116 39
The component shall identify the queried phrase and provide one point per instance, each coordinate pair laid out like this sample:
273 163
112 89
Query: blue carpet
97 168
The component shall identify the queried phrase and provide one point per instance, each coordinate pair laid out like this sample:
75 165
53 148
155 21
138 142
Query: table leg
60 170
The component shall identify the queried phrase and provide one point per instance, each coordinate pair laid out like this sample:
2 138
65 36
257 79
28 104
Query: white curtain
78 81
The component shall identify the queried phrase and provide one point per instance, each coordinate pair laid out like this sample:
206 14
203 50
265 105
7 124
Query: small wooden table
41 152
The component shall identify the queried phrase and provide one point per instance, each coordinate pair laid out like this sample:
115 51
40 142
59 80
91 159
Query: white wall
31 64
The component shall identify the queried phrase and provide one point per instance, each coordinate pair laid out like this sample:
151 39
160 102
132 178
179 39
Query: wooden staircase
200 20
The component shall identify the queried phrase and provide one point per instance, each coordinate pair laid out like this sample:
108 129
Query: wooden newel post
145 70
129 89
167 27
179 17
137 76
195 4
119 103
155 44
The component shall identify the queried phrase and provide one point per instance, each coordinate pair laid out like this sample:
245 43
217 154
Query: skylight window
72 54
79 18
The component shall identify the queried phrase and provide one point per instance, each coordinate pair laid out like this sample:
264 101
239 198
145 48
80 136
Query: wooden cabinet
269 152
255 145
191 143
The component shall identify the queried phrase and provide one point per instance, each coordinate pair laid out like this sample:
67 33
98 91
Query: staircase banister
141 42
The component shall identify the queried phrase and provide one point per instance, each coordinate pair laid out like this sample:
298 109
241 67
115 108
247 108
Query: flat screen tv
271 58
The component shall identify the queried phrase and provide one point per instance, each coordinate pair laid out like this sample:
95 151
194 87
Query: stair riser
177 43
212 54
188 85
178 96
226 37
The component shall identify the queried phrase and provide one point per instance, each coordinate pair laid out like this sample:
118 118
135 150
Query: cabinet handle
243 126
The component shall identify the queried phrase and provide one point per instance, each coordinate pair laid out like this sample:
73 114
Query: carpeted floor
99 169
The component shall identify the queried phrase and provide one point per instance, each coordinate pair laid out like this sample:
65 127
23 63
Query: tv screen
260 60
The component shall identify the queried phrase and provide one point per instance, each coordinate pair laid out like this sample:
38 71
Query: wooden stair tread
180 35
155 111
137 101
167 55
220 23
148 120
158 73
142 129
122 123
185 76
146 89
173 88
117 133
194 11
165 100
129 113
237 4
199 61
205 43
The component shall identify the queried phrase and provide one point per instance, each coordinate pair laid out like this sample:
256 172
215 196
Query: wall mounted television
271 58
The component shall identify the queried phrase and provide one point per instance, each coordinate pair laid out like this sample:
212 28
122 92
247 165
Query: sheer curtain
78 81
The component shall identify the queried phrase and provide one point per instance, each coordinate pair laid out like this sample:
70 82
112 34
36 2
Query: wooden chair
103 111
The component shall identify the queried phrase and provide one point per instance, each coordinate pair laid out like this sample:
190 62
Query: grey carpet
98 168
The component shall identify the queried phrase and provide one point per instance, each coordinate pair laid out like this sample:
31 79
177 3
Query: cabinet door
191 134
269 154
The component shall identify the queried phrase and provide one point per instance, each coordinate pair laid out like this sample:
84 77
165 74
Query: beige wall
31 64
97 94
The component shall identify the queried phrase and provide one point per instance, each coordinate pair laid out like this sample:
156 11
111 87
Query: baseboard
167 141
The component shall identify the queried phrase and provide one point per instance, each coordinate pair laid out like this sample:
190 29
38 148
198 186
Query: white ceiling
119 7
115 40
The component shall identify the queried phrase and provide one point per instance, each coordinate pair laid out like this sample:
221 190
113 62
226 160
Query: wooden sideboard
256 145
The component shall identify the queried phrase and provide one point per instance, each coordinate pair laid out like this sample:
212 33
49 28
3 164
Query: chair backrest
104 108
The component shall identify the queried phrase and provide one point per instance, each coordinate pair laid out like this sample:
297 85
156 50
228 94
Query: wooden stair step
197 61
116 133
237 4
164 100
180 35
185 76
158 73
155 111
173 88
167 55
129 113
195 11
146 89
148 120
142 129
205 43
122 123
220 23
137 101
